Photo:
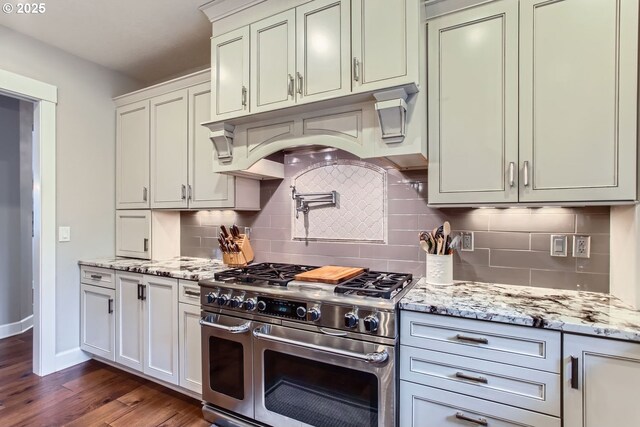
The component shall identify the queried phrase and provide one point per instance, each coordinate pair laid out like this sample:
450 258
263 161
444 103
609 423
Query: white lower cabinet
461 372
190 347
147 325
430 407
98 321
601 380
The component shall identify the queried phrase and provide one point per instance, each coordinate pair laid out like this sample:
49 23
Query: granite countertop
179 268
580 312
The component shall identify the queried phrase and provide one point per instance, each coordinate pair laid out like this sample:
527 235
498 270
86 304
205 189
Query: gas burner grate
376 284
273 273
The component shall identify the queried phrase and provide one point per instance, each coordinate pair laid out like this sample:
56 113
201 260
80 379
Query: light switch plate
64 234
558 245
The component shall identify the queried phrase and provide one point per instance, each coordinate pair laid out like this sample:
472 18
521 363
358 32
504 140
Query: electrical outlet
582 246
64 234
467 241
558 245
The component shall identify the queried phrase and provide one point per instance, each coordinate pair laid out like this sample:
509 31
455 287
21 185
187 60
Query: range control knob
371 323
314 314
301 312
211 297
249 304
222 299
350 320
235 302
262 306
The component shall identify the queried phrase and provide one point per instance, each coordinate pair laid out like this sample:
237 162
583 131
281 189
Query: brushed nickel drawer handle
477 379
477 421
356 69
244 96
192 293
526 173
512 178
290 86
299 76
472 339
96 276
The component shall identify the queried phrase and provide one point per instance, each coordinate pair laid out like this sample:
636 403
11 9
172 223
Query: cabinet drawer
429 407
514 345
511 385
189 292
97 276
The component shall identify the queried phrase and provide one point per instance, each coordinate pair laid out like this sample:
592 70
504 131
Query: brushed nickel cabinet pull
477 421
96 276
575 373
477 379
192 293
244 96
290 86
184 192
145 245
356 69
512 177
472 339
300 81
190 194
145 194
526 173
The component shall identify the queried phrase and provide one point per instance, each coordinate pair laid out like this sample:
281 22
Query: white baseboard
16 328
69 358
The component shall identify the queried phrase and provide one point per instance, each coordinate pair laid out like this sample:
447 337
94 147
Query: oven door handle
240 329
377 357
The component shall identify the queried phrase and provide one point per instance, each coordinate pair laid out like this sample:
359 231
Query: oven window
226 367
319 394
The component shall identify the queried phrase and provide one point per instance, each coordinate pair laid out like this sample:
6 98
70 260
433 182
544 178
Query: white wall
85 161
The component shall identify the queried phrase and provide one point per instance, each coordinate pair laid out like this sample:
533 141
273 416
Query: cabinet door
190 348
323 47
605 393
384 42
98 326
473 101
133 234
206 188
132 156
169 150
230 73
161 328
129 321
273 62
578 100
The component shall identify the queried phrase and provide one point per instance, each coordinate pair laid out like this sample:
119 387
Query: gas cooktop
376 284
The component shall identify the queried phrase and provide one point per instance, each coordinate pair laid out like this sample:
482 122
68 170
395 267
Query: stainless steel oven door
227 355
305 378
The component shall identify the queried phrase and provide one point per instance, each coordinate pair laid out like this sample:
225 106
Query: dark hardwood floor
89 394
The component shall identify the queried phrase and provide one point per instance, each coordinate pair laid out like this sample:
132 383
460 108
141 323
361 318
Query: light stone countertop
588 313
186 268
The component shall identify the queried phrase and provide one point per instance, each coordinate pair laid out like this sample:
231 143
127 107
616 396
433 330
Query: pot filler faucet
303 199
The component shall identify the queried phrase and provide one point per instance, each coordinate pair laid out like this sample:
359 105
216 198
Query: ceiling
148 40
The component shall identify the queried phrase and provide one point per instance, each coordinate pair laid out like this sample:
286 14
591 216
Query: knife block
242 258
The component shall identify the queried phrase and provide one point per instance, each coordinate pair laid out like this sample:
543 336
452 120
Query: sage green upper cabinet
323 50
132 156
578 100
473 105
273 62
384 43
206 188
169 150
230 66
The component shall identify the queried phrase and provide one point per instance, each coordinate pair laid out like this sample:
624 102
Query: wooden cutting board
329 274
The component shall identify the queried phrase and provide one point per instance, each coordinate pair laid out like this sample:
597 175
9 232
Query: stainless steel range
282 352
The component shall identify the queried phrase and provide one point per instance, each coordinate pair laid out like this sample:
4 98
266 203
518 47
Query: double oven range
281 352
